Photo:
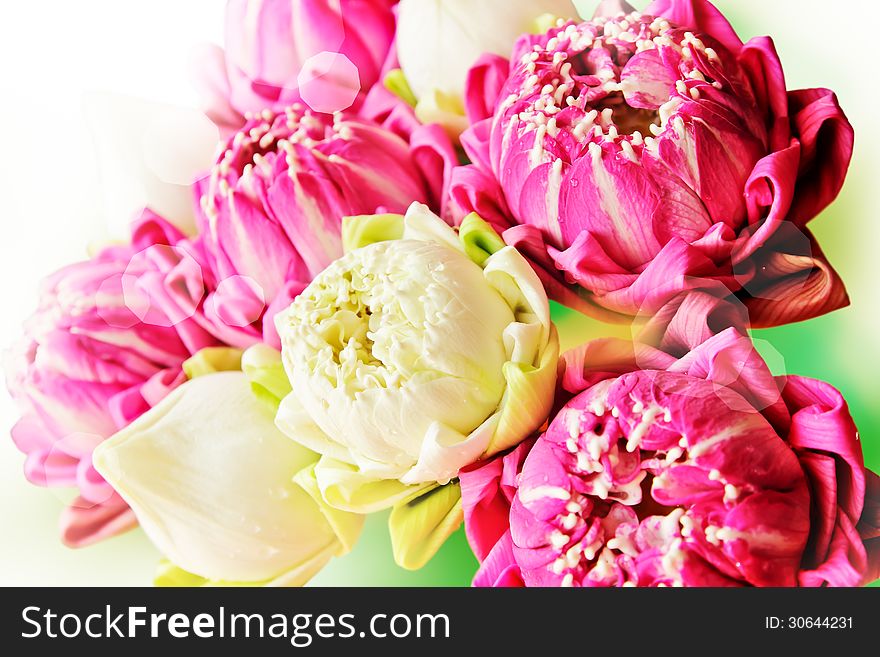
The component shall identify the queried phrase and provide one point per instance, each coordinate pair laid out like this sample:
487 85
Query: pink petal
678 267
476 143
768 194
795 282
433 154
473 190
30 434
529 241
846 563
869 526
761 65
608 196
485 81
598 360
869 523
647 81
212 82
730 359
329 82
486 508
826 139
772 527
312 211
84 524
255 244
282 301
691 318
820 421
149 229
699 16
499 569
487 488
821 473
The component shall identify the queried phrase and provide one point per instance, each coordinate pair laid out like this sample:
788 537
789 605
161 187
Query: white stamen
731 493
558 540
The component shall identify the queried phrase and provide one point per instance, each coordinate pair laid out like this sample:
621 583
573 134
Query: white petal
210 478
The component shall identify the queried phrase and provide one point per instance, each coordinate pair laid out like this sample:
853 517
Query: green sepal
211 360
395 82
363 230
419 526
262 366
479 239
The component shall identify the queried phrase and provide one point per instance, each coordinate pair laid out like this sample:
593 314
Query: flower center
253 150
611 497
635 496
605 83
392 338
356 330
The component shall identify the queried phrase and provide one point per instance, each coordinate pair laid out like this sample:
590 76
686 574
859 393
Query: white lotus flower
407 355
211 481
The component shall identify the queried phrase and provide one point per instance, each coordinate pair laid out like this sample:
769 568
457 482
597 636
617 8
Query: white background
62 64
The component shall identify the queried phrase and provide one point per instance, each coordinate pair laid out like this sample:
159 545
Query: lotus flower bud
413 356
327 53
701 471
735 494
212 483
106 344
273 204
649 152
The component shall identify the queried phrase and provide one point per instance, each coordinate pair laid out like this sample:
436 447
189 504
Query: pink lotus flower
327 53
272 207
640 155
105 345
701 471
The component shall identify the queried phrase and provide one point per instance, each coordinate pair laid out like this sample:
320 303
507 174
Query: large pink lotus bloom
701 471
327 53
272 207
105 345
639 155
